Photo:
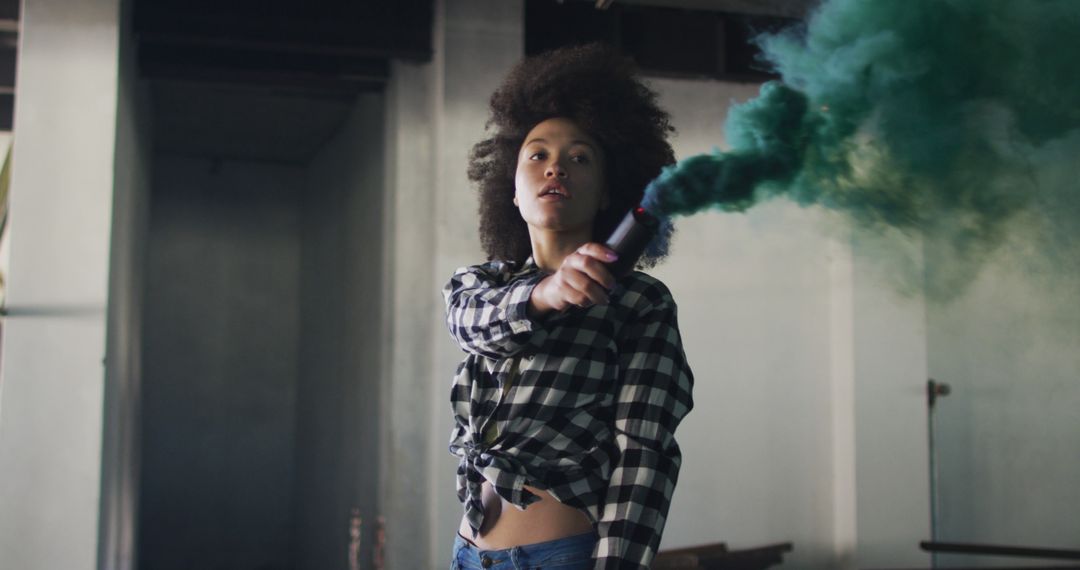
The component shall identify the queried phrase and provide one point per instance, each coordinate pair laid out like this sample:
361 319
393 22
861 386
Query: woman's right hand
583 280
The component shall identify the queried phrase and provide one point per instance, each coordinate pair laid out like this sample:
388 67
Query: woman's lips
560 193
553 197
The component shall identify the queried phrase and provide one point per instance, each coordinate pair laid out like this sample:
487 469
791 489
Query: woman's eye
580 159
537 156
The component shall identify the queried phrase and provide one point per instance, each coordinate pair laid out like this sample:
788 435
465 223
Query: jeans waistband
586 537
579 546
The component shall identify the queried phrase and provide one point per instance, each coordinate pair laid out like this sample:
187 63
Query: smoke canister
630 239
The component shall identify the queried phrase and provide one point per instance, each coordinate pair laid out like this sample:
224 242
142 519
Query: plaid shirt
583 404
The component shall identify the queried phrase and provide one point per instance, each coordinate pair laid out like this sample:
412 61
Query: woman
575 379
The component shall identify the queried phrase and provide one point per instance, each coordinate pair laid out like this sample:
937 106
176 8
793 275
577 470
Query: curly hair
596 88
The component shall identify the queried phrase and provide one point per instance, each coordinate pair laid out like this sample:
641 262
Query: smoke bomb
630 239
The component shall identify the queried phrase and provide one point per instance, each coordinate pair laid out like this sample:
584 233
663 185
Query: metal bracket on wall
935 390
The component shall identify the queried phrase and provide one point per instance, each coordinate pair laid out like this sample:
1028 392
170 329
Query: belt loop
516 557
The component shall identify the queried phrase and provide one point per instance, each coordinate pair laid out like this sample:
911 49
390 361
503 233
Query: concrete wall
341 340
891 464
222 326
1006 436
54 337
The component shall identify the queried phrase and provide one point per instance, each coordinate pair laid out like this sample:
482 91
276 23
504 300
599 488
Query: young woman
574 379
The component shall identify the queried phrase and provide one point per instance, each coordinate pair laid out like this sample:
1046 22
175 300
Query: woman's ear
515 202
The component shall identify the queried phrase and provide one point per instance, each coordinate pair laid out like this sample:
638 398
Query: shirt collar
529 266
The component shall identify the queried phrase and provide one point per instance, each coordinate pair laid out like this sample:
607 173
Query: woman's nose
555 170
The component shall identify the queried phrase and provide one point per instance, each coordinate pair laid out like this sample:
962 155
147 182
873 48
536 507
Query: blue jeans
570 553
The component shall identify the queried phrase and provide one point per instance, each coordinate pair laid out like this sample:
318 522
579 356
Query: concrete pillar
51 396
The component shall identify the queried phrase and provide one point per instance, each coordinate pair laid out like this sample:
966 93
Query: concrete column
413 305
479 41
54 337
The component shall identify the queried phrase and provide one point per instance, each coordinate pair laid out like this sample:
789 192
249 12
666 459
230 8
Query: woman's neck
551 248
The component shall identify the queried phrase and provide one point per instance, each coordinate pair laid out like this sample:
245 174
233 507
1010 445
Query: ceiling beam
798 9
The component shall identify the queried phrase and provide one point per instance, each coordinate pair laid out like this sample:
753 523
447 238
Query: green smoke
931 117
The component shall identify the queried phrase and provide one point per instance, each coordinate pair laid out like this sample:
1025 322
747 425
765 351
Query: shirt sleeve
654 394
487 312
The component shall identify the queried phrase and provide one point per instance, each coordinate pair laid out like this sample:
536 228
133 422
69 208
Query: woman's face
559 184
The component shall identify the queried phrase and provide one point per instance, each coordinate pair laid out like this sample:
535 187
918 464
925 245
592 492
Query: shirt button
486 562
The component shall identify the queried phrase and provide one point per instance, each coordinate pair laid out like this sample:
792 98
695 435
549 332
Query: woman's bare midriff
506 526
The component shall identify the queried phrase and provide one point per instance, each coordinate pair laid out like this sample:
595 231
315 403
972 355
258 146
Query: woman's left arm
654 394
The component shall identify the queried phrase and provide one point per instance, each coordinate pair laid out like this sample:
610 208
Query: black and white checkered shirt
583 404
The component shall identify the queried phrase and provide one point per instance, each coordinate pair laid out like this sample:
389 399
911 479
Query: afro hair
596 88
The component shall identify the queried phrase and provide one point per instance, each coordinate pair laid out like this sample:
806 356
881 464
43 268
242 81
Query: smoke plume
957 121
